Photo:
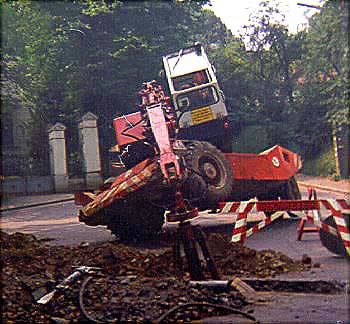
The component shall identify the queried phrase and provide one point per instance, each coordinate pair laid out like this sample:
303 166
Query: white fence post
91 151
58 157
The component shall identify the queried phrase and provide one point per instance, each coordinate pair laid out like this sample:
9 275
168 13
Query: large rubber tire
205 160
333 243
135 220
195 190
290 191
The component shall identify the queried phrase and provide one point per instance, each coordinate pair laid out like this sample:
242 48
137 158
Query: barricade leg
239 231
315 217
300 231
337 226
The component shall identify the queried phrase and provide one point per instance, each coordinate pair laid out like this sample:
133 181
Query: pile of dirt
136 284
233 259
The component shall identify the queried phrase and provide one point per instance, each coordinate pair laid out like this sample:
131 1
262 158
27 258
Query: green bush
252 139
322 165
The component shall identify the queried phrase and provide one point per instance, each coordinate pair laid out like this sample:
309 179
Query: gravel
135 283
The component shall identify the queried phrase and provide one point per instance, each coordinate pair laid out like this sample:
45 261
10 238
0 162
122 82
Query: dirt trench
134 284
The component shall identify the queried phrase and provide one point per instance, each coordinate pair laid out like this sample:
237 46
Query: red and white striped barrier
278 207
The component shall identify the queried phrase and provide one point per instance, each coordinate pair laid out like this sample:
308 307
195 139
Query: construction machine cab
198 101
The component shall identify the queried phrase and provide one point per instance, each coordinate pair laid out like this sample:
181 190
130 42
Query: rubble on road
139 281
233 259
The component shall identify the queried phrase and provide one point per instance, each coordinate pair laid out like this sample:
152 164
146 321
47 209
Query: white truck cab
198 101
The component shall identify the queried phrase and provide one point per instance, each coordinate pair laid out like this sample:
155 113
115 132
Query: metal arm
79 271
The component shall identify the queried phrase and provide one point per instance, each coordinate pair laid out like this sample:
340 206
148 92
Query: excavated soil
134 283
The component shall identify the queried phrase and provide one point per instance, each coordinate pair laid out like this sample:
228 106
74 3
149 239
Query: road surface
60 223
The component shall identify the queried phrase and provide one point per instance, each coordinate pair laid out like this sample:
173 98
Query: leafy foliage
30 62
63 59
326 64
295 87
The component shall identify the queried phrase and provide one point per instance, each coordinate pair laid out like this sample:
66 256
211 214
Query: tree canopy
62 59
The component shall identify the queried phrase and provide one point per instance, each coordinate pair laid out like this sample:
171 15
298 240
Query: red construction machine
182 146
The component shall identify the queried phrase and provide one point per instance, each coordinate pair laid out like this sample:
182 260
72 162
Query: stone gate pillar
58 157
91 151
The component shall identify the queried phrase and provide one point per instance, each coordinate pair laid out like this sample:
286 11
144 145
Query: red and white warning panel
337 207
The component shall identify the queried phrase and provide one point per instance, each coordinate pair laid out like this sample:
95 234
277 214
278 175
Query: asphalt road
59 222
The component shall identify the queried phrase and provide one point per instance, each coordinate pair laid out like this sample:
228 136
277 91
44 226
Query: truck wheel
333 243
206 160
136 220
290 191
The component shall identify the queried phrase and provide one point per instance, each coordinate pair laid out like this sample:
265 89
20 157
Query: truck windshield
197 98
191 80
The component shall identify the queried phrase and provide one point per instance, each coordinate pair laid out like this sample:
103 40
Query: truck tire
290 191
205 160
195 190
333 243
136 220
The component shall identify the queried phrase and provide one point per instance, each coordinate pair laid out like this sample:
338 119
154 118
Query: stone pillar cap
89 116
57 127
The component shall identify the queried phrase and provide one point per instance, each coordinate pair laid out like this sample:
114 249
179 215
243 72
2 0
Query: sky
235 13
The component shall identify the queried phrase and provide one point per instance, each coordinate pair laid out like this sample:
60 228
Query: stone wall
27 185
58 180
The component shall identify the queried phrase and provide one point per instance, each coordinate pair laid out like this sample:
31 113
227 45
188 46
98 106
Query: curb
323 188
43 203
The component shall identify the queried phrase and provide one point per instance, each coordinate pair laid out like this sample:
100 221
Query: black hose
81 301
165 315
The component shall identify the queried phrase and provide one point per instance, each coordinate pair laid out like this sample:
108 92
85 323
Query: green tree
30 51
324 101
114 52
257 75
67 58
326 60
